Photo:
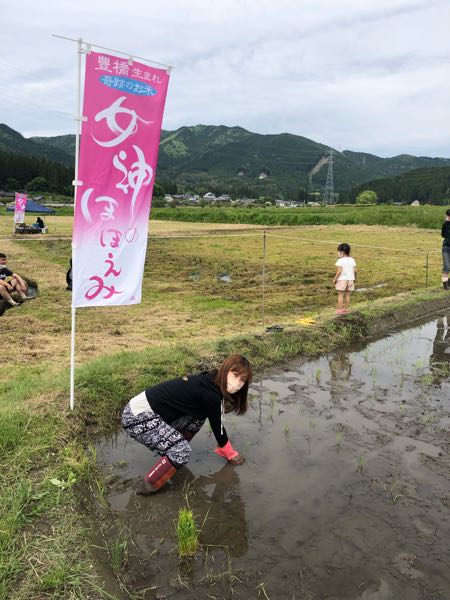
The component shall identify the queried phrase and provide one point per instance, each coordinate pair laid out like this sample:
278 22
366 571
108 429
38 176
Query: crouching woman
166 416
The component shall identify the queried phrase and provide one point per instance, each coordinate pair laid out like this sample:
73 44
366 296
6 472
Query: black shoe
446 286
274 329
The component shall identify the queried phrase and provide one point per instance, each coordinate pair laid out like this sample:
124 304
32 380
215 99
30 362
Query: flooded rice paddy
345 493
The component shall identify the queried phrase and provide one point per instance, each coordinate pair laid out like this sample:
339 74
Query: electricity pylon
328 195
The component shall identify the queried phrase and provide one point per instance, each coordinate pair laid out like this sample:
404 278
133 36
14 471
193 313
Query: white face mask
234 383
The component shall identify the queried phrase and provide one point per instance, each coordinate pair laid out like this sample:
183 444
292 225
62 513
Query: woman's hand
230 454
237 460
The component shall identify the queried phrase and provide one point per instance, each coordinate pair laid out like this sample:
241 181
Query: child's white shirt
347 264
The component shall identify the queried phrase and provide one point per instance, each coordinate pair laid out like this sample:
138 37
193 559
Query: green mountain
426 185
12 141
65 143
233 160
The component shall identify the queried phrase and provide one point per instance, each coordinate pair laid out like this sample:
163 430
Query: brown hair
237 363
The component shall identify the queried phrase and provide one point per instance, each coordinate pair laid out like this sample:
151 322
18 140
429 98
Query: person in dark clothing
40 223
11 282
166 416
445 233
69 277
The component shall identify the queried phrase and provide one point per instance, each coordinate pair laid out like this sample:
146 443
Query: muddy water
345 493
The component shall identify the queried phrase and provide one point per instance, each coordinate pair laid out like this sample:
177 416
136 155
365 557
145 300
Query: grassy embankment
188 318
425 217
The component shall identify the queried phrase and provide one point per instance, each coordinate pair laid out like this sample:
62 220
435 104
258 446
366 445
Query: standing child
445 233
345 278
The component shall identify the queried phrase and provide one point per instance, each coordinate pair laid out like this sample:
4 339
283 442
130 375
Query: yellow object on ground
306 321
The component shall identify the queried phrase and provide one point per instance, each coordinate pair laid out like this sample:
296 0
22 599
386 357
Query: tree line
430 186
19 172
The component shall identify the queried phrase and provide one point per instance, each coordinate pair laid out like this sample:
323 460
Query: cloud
369 76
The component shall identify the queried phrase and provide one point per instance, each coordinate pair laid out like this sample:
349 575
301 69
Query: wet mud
345 493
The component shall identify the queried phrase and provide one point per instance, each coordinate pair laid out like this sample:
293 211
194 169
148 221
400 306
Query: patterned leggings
150 429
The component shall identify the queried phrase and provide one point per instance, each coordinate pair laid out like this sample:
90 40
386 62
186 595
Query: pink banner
122 114
20 207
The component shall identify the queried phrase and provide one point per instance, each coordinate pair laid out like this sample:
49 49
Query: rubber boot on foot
157 477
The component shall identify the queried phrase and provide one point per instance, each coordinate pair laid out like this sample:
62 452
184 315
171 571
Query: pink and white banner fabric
122 113
19 208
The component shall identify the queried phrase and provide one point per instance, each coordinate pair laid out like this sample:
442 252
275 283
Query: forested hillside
425 185
13 142
17 170
235 161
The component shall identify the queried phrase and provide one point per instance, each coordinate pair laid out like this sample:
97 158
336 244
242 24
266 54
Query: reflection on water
440 358
301 516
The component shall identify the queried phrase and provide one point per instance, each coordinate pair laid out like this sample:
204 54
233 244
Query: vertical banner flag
122 113
19 208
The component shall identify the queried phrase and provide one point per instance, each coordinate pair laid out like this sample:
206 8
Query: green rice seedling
213 577
272 400
273 396
339 436
360 463
428 419
118 552
308 439
394 495
318 375
100 492
312 425
187 534
443 369
427 379
419 364
286 430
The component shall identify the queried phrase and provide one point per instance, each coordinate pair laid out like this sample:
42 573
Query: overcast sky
370 76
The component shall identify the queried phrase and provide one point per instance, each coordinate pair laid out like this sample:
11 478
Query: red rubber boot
158 476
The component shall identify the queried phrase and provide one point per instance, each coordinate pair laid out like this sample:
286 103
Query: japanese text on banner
123 109
20 207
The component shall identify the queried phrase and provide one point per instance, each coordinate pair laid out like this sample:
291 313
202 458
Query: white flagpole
76 183
130 56
79 119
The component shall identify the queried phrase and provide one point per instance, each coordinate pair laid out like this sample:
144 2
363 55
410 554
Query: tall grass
425 217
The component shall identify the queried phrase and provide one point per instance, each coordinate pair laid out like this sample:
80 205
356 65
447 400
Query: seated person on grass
11 282
5 293
39 224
